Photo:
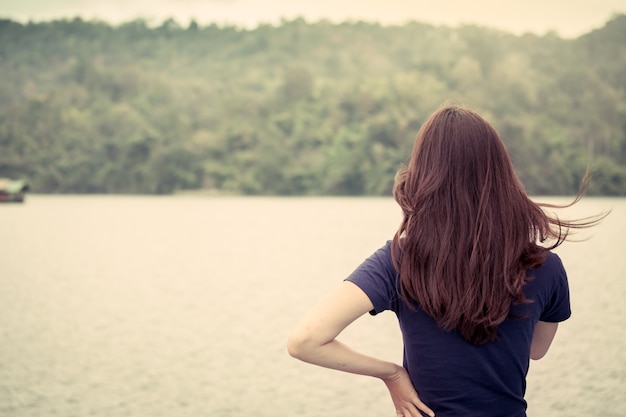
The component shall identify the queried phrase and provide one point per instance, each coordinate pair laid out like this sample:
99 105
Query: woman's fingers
423 407
413 410
417 405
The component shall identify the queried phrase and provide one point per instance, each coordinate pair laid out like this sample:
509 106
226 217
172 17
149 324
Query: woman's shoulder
382 255
552 264
548 277
377 277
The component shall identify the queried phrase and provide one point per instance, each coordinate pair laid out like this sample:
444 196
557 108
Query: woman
475 293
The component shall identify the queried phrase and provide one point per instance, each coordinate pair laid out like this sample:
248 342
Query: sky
569 18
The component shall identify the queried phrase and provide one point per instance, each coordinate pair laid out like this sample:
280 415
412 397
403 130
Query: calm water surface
180 306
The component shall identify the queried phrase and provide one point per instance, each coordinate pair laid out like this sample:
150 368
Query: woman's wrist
392 372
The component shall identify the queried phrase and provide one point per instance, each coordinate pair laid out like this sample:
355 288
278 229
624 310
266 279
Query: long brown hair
469 231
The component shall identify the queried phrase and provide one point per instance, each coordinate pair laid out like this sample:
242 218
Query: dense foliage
298 108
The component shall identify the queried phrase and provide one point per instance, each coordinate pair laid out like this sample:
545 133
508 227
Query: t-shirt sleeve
557 307
376 276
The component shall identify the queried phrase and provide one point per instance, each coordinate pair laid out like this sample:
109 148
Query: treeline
299 108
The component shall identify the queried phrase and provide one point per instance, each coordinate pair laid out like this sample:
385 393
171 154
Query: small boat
12 191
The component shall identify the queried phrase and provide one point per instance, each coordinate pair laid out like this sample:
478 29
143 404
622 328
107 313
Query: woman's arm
542 339
314 341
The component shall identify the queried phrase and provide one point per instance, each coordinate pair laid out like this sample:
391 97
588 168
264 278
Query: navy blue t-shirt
454 377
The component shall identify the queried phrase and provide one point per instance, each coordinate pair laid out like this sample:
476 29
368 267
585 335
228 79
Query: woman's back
456 377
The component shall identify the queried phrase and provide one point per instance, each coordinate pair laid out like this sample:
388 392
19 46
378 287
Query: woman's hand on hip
404 396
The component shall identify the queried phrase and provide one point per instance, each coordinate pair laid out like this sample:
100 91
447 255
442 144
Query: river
144 306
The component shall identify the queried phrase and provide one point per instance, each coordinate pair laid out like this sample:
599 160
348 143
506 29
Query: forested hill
298 108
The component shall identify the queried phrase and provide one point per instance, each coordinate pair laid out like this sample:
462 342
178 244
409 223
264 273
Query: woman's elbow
297 345
293 346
